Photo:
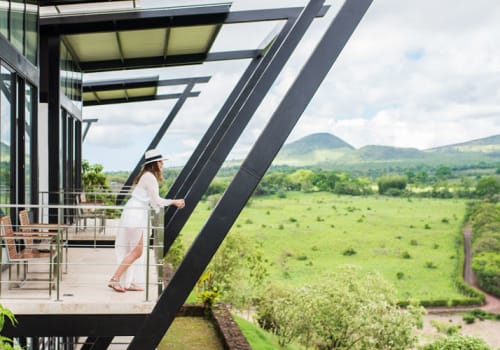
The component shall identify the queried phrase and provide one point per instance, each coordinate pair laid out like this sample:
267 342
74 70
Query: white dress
134 224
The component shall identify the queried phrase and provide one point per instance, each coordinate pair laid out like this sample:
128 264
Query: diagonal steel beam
250 173
234 123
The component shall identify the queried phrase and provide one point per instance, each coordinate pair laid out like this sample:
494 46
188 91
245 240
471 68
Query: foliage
348 310
236 273
485 218
93 177
6 343
387 183
488 186
458 341
176 253
258 338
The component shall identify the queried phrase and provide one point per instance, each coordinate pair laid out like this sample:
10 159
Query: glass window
28 115
17 24
6 86
31 40
4 18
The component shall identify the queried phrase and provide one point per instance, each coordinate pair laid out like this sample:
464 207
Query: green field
305 236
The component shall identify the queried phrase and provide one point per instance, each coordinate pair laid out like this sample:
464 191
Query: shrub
400 275
405 255
430 265
349 252
458 341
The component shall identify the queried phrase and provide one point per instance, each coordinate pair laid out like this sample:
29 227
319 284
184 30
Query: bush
405 255
349 252
458 341
387 183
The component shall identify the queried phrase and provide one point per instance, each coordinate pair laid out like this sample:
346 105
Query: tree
348 310
488 186
93 177
393 182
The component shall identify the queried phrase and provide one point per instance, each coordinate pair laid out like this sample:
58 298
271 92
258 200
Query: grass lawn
305 236
191 333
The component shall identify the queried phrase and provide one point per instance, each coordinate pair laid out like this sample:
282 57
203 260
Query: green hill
330 152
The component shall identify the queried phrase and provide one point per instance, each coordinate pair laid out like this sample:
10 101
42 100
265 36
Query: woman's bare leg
128 260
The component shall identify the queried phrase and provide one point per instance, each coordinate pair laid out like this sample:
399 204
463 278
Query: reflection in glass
4 18
31 39
17 24
28 115
5 133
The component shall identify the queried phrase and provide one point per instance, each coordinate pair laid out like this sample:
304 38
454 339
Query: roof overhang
134 90
148 38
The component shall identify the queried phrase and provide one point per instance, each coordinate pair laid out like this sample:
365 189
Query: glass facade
4 18
31 34
71 77
6 110
19 25
28 122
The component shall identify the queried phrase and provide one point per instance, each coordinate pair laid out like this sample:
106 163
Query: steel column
238 118
250 173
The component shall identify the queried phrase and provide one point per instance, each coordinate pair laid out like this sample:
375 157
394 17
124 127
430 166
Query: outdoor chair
29 227
27 256
85 210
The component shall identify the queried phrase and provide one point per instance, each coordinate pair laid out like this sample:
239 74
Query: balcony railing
84 263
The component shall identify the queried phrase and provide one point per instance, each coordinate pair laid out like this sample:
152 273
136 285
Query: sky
417 74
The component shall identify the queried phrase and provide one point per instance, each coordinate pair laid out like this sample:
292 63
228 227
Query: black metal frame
211 153
250 173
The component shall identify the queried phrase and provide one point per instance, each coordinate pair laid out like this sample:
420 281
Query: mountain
485 145
313 149
330 152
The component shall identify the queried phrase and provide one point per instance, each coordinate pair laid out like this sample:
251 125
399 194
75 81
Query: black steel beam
116 84
171 60
195 185
273 14
250 173
134 19
93 325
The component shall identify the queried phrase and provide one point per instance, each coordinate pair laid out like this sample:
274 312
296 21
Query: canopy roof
134 90
117 35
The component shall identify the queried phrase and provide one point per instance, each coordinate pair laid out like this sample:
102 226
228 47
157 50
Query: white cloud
414 74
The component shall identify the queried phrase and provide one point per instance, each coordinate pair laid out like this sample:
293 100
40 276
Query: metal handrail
149 262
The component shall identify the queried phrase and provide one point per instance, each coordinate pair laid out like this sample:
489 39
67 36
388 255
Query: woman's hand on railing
179 203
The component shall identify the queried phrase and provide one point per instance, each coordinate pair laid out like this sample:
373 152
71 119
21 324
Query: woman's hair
154 168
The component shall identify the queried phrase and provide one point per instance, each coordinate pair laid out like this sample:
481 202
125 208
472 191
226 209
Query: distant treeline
439 182
465 181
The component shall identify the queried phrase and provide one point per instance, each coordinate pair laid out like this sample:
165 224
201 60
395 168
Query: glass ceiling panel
143 43
190 40
94 47
151 91
112 94
89 96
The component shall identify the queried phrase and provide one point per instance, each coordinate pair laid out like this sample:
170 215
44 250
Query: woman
132 235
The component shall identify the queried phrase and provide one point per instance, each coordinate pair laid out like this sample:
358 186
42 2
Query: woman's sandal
134 288
115 285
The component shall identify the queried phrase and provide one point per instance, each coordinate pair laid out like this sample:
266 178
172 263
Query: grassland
412 242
